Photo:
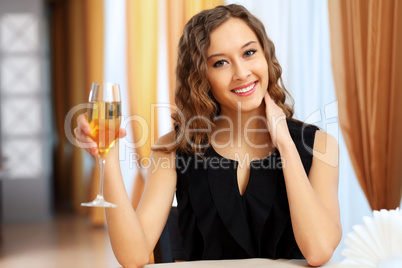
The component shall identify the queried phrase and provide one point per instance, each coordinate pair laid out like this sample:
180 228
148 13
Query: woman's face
237 67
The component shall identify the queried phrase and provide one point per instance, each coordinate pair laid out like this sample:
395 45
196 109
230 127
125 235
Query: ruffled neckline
231 206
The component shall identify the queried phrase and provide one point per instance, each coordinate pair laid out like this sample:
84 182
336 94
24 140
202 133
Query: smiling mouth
246 89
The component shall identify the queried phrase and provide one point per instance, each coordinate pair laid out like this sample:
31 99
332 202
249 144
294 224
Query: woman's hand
82 132
276 119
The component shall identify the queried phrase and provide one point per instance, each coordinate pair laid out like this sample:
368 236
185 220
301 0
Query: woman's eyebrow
222 54
248 43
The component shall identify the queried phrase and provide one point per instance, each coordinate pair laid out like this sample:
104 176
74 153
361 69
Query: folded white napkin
378 243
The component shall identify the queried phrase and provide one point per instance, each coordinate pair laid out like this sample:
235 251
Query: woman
251 181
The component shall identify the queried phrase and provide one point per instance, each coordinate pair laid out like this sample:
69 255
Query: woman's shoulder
301 131
320 137
310 138
303 135
165 143
298 125
326 148
167 139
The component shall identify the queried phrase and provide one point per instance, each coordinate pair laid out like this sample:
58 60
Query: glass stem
102 161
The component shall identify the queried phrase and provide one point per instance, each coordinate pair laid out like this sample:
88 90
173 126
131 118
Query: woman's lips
245 90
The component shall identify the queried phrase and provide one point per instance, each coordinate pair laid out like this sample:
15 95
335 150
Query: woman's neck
238 127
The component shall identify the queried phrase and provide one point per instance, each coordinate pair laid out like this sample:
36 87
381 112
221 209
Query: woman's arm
133 235
313 200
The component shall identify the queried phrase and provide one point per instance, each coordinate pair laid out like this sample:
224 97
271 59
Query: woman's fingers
82 132
85 140
276 119
268 99
83 124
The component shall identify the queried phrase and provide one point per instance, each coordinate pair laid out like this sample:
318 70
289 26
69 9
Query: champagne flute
104 117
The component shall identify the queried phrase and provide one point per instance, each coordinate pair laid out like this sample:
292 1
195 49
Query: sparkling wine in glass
104 117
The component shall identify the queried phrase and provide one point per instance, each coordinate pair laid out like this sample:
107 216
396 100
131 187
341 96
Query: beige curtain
60 94
77 45
94 51
68 84
366 44
77 91
142 52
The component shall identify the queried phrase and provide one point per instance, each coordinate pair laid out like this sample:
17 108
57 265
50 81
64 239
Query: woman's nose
241 71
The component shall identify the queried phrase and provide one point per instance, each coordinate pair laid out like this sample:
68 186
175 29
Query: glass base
99 202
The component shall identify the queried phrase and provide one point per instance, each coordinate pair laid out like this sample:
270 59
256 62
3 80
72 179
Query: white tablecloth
244 263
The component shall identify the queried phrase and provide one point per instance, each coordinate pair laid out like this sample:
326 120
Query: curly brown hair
196 106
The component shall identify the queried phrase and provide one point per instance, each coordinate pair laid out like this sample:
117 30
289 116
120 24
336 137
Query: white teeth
245 89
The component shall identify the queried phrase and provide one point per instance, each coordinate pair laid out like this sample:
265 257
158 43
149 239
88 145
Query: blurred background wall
52 50
27 137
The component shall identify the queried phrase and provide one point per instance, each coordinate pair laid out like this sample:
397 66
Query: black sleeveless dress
216 222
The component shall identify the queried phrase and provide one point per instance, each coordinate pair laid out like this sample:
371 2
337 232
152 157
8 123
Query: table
243 263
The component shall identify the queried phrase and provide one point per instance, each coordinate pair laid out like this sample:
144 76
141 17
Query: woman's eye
219 63
250 52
